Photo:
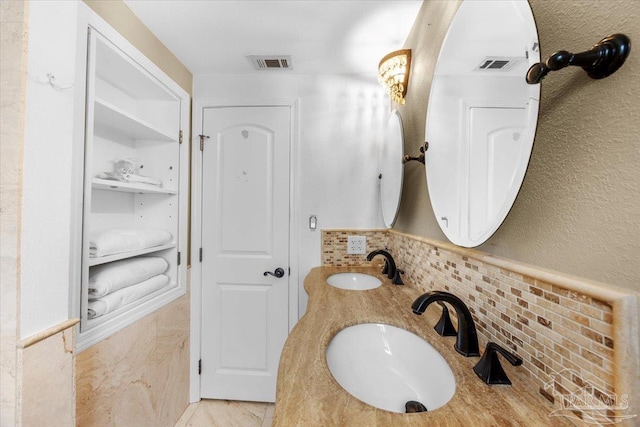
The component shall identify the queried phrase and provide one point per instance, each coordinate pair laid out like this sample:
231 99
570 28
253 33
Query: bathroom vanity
308 395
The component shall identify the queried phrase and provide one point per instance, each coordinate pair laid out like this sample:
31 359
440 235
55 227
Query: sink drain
413 406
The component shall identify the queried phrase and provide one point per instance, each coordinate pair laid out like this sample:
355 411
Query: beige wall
120 17
578 211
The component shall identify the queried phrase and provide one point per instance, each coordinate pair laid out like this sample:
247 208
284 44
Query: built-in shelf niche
133 112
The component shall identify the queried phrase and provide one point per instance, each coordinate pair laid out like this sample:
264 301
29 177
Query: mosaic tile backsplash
334 246
564 337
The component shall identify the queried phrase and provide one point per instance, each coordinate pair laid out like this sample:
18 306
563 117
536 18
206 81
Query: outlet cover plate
356 244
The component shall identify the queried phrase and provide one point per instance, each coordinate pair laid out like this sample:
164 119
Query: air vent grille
494 63
271 62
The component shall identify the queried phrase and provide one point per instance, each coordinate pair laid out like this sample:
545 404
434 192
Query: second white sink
354 281
386 367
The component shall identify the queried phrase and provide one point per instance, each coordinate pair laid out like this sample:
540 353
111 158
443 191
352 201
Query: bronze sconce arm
423 148
600 61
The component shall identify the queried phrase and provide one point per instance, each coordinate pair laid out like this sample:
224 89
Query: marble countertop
308 395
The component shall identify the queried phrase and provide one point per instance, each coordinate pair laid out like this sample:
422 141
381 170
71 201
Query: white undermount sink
386 366
354 281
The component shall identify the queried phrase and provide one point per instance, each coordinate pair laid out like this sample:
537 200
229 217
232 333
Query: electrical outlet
356 245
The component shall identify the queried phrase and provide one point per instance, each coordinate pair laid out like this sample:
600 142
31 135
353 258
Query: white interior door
495 150
245 233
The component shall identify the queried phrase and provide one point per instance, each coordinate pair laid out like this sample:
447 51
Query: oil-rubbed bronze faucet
390 269
467 338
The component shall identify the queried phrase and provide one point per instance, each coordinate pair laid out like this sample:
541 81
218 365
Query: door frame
199 104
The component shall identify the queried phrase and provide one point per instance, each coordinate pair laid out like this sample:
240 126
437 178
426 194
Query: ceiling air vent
271 62
495 63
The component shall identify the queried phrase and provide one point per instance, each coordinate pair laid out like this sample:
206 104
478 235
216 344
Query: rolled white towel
109 303
118 240
107 278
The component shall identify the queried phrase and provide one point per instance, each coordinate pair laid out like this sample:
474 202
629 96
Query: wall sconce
393 74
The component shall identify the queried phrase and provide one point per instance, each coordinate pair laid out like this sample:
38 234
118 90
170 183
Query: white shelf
124 255
128 187
114 119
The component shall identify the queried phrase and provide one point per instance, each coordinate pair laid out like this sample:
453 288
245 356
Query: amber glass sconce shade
393 74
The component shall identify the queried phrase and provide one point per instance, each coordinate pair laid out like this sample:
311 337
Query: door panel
243 346
245 232
246 207
494 136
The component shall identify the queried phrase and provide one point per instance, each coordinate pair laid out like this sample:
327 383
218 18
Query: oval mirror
391 168
481 118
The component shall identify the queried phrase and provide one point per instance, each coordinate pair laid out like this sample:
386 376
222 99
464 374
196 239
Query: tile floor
227 413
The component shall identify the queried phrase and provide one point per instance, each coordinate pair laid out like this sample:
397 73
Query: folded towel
115 241
113 176
107 278
130 177
109 303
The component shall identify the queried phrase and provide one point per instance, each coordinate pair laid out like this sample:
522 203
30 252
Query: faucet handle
489 368
385 269
445 327
397 280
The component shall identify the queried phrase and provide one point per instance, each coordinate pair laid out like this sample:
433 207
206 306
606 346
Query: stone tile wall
46 387
565 337
140 375
13 47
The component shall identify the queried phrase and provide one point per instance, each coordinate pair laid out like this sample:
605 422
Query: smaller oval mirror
481 118
391 168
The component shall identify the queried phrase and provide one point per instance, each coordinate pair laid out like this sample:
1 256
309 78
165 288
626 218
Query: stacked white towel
113 276
117 240
113 301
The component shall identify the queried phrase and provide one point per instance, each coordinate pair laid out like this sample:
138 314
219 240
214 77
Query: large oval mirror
481 118
391 168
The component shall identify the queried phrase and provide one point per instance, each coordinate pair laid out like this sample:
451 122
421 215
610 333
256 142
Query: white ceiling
322 36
